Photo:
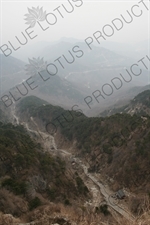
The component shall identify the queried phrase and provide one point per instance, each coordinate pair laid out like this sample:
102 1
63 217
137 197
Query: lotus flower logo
35 14
35 66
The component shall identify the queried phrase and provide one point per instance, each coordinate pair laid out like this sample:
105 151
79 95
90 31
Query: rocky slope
117 146
75 159
31 176
140 105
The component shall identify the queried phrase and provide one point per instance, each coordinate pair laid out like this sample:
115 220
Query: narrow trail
50 145
105 192
13 111
47 140
46 137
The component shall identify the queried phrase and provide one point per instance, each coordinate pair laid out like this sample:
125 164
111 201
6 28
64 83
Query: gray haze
130 43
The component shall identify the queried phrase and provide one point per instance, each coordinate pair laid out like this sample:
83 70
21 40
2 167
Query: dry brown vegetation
74 215
24 167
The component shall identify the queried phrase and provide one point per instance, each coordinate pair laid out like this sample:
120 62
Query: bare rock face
7 219
38 182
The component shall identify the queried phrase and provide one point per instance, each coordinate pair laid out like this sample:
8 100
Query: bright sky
81 23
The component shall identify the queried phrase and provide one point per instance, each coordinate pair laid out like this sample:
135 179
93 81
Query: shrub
34 203
18 187
67 202
104 209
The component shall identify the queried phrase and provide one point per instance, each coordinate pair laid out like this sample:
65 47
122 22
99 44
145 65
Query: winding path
49 142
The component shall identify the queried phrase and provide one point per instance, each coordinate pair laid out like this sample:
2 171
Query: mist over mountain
139 105
11 72
75 113
79 72
75 134
133 51
55 157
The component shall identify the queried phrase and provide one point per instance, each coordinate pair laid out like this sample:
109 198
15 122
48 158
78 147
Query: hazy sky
81 23
86 19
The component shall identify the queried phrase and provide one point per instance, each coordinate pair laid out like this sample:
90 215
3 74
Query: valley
75 134
89 163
